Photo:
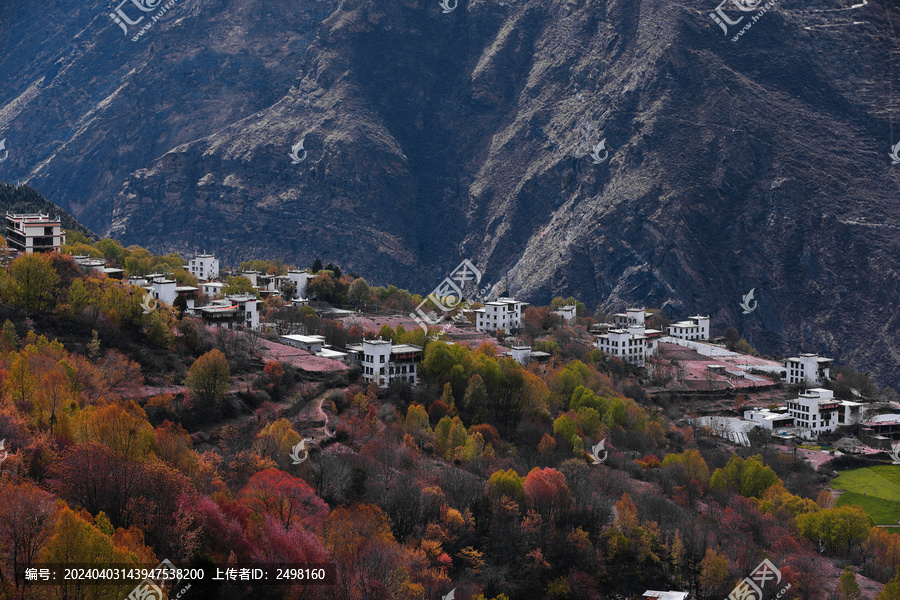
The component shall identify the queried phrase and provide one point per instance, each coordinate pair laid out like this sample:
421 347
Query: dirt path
313 412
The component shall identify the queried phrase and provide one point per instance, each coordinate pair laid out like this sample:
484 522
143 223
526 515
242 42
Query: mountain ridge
756 164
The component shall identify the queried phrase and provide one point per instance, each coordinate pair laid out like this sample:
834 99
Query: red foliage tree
546 493
287 499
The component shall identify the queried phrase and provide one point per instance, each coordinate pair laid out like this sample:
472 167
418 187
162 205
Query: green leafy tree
32 283
442 435
209 378
112 250
891 591
447 397
615 415
583 396
10 337
475 400
360 292
416 423
749 478
456 437
839 528
239 285
589 421
565 428
694 465
848 588
505 483
183 277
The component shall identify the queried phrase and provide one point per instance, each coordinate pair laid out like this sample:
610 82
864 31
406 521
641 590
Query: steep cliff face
760 163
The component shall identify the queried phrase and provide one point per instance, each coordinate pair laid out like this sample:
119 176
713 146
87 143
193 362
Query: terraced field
876 489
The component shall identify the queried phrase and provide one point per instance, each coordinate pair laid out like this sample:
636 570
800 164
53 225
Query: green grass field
875 489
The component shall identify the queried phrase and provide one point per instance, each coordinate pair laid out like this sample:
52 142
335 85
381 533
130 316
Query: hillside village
362 358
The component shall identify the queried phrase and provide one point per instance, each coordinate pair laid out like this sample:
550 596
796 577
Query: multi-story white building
567 313
629 340
34 233
633 345
807 368
817 410
502 313
300 279
233 311
204 267
696 328
383 362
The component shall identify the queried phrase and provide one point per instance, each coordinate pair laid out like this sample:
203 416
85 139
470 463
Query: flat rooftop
306 339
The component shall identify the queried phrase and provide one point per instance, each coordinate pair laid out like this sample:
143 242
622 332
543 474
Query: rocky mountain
745 145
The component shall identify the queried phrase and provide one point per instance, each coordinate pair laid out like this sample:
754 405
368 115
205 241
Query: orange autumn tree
366 555
81 539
